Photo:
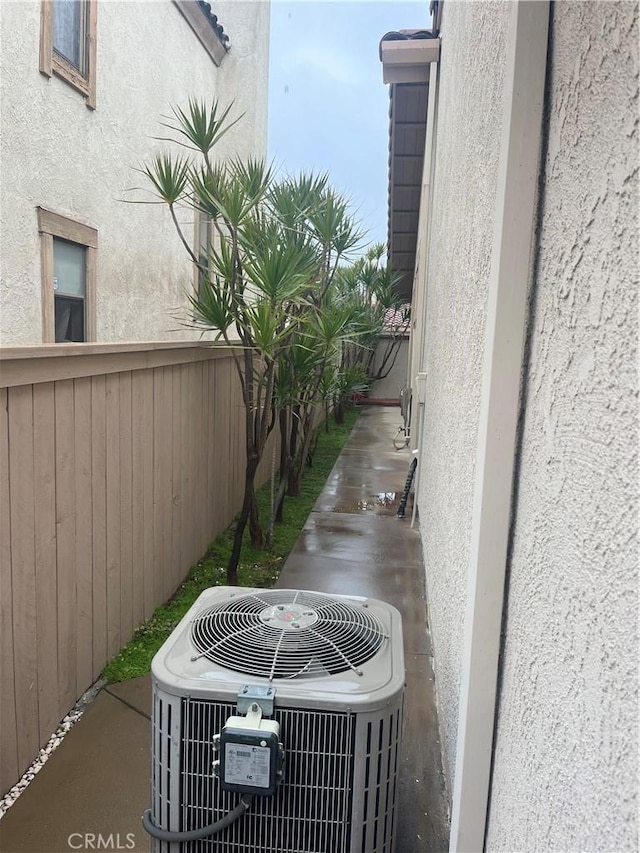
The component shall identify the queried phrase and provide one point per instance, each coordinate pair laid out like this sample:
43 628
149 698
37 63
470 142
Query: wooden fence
118 465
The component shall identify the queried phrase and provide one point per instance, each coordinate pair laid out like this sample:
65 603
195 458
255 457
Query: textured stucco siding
468 141
566 761
391 386
57 154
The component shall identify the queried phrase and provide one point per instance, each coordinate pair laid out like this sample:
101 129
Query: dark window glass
69 31
69 290
69 319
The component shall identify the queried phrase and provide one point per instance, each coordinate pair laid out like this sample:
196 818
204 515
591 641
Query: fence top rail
51 362
71 350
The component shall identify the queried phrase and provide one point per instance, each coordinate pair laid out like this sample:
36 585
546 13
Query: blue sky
328 107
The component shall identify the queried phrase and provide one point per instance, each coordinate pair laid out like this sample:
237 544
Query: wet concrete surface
96 784
378 542
359 500
353 544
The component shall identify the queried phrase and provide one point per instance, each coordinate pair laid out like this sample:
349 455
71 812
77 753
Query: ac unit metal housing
337 666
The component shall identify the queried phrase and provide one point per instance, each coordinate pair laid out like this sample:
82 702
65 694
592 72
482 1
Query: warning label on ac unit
245 764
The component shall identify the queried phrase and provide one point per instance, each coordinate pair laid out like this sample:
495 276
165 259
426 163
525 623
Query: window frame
52 62
51 225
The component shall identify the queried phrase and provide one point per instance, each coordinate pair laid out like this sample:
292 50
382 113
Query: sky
328 107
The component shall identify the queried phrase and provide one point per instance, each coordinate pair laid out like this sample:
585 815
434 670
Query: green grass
257 568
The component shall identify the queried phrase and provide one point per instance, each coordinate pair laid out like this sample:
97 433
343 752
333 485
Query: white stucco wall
470 110
57 154
391 385
566 762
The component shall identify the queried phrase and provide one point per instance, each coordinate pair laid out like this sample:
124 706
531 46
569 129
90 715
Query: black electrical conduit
197 834
407 488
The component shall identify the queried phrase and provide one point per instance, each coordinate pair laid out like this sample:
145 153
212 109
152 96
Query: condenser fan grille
287 633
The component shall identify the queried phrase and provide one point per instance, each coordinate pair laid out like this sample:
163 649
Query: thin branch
237 363
193 257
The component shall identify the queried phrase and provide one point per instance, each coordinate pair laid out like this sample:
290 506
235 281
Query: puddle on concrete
374 503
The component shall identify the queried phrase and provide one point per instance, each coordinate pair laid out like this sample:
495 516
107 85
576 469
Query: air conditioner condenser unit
293 696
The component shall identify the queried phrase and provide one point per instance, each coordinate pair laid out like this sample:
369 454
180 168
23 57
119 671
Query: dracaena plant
313 211
369 285
265 282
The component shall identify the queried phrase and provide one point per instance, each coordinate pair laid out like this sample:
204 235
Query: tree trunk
390 355
255 530
284 455
248 504
276 515
302 459
294 485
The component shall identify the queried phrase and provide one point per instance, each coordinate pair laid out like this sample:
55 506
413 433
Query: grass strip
258 568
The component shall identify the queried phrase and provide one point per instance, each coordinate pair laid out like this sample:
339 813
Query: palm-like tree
369 287
265 285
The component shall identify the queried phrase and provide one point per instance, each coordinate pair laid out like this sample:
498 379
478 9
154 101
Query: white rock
54 741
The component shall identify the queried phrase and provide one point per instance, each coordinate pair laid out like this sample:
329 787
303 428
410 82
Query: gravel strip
52 744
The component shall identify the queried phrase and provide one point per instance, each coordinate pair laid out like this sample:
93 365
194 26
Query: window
69 291
68 278
68 43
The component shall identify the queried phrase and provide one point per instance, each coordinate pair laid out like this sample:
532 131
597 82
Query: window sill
63 69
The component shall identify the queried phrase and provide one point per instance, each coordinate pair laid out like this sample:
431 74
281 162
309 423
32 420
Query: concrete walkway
97 781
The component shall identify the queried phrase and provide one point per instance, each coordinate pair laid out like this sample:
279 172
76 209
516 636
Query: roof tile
213 20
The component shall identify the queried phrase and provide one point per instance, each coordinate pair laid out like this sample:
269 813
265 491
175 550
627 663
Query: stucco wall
566 761
468 139
58 154
391 385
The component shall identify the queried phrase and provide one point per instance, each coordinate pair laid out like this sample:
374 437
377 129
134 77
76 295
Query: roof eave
408 61
406 58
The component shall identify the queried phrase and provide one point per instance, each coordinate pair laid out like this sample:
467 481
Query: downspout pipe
514 227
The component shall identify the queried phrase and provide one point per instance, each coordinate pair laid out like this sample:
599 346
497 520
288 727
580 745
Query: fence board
183 477
206 455
205 517
66 541
126 533
195 455
112 420
201 466
238 453
196 443
148 514
223 418
44 479
217 439
159 482
84 536
9 765
158 526
137 497
166 483
212 521
23 571
176 473
192 432
99 526
194 459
